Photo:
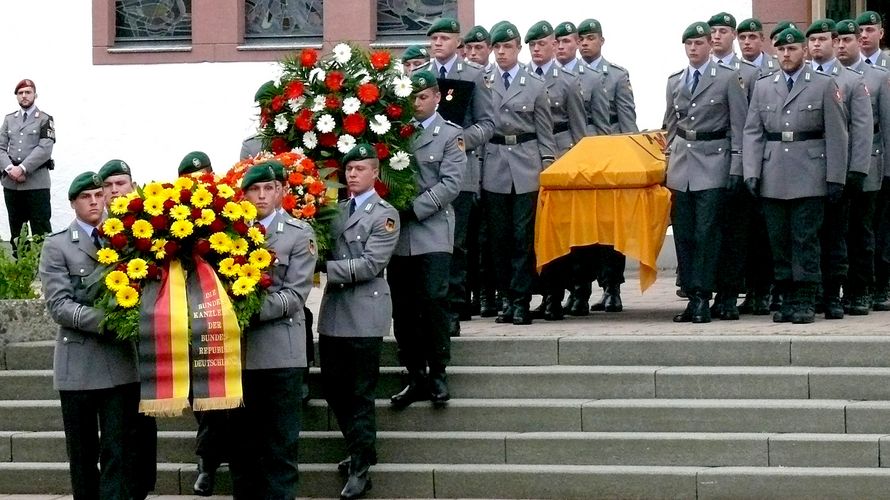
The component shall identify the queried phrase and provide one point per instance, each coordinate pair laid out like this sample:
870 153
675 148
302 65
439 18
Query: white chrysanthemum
402 86
326 124
400 161
399 67
351 105
317 74
297 150
379 125
281 123
296 104
342 53
310 140
318 103
345 143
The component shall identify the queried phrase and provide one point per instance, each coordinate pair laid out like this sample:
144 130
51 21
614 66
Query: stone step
542 448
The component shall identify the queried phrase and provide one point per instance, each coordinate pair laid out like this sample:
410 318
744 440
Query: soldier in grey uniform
705 117
414 57
478 44
263 462
27 136
523 145
419 270
251 146
860 235
95 374
623 119
356 312
821 39
751 39
871 29
794 154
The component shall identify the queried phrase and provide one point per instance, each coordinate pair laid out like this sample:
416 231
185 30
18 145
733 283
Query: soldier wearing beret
821 40
196 162
95 374
478 44
251 147
780 27
705 116
263 462
27 136
863 222
751 39
419 270
794 154
414 57
356 312
872 31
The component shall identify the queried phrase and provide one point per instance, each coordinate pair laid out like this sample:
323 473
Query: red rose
303 120
137 287
196 213
406 131
380 59
240 227
294 89
202 247
382 151
135 205
159 222
264 117
212 189
128 220
143 244
278 103
278 145
171 247
265 281
354 124
381 188
154 272
122 267
393 111
168 204
308 57
334 80
219 204
332 102
368 93
217 225
328 140
240 260
289 202
119 241
184 195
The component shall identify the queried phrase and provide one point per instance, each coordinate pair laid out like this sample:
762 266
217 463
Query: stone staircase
772 416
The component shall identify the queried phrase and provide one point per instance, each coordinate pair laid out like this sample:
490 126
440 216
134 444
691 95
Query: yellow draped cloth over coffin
606 190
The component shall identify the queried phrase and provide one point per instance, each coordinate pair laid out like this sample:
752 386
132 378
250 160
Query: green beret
751 25
789 35
539 30
821 26
564 29
278 168
782 26
361 151
192 162
847 27
869 17
444 25
504 33
261 172
497 25
589 26
114 167
84 182
696 30
477 34
423 80
415 52
722 19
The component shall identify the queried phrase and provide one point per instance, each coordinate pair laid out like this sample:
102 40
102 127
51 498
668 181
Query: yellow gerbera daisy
137 269
107 256
153 205
119 205
224 191
249 210
248 271
256 236
112 226
207 218
260 258
183 183
232 211
153 190
220 242
239 247
242 286
227 267
181 229
157 247
201 198
180 212
142 229
116 280
127 297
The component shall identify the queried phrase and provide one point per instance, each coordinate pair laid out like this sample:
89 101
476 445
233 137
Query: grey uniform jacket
478 124
596 101
718 105
566 107
356 301
798 168
860 123
768 65
251 146
441 162
749 72
29 144
72 279
881 61
524 108
278 338
623 113
877 81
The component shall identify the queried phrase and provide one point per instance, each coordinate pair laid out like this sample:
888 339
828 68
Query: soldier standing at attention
27 136
794 153
419 269
478 44
872 31
95 374
860 235
751 39
414 57
705 116
356 312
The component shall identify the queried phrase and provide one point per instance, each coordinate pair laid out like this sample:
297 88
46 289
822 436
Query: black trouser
861 244
833 241
610 266
794 237
113 412
28 206
485 275
695 216
146 466
511 227
214 433
419 288
882 235
735 228
457 281
350 369
759 258
264 461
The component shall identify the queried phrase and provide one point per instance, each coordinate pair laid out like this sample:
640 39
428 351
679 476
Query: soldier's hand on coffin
854 181
735 183
835 191
753 185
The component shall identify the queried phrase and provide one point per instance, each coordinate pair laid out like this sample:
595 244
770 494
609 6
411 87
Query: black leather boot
359 481
488 306
702 313
416 390
832 300
505 314
521 313
729 311
686 315
206 478
613 299
805 304
553 311
439 394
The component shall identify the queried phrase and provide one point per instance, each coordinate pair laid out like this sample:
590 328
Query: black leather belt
692 135
560 127
512 140
795 136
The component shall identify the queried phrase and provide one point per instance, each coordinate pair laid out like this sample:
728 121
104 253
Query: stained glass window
152 20
283 18
411 17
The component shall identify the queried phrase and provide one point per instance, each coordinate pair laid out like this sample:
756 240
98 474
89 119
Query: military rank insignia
390 225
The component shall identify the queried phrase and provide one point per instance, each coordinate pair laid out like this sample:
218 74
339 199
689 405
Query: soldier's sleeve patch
838 95
48 130
741 82
312 249
389 225
460 144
